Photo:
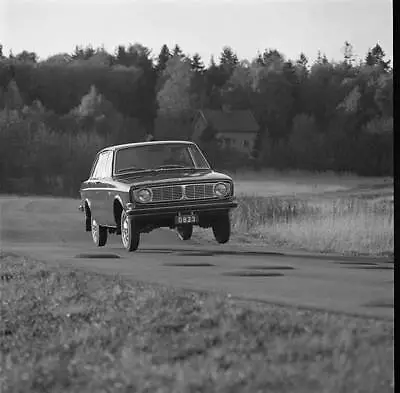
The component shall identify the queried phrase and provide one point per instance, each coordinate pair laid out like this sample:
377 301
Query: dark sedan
138 187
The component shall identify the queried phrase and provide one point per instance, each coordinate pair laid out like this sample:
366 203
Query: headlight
221 190
143 196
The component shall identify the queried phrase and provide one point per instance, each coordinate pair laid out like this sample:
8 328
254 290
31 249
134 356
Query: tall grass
345 225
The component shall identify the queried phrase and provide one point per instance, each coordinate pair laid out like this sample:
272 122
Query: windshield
159 156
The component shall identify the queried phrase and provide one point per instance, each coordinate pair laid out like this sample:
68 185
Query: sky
48 27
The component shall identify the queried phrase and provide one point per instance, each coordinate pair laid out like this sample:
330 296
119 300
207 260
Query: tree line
325 115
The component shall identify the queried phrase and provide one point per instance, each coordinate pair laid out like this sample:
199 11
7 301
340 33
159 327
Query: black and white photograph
197 196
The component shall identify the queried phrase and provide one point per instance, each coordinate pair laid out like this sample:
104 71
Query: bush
54 161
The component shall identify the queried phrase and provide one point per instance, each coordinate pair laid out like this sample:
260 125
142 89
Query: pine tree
196 63
121 55
228 58
259 60
348 53
302 61
177 51
163 58
376 56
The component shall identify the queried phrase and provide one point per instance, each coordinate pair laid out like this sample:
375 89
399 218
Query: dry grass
347 215
357 234
65 331
269 183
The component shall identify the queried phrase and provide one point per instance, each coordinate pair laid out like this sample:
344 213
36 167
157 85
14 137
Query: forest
56 113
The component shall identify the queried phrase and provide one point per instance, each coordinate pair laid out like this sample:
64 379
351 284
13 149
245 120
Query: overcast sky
291 26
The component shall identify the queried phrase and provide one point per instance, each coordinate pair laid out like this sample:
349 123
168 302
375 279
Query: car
138 187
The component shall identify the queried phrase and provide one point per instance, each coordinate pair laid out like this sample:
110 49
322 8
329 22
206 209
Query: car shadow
205 253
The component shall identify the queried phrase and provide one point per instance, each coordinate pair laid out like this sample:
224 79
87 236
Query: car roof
138 144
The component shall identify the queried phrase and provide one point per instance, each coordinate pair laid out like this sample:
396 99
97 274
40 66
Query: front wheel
185 231
222 228
129 233
99 234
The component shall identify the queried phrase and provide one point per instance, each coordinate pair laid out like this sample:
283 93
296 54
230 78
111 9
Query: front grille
167 193
183 192
199 191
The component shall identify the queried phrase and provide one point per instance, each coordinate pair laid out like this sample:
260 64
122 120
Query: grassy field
314 212
73 331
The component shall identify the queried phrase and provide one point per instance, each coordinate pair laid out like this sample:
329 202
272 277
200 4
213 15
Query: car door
88 188
107 214
97 189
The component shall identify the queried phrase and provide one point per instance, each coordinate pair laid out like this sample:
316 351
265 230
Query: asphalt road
52 230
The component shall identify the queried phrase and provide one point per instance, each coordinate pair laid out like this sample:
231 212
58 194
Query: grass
269 183
314 212
66 331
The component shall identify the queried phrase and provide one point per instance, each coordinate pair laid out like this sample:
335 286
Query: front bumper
165 211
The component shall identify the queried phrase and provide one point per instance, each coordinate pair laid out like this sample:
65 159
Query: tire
222 229
99 234
130 236
184 232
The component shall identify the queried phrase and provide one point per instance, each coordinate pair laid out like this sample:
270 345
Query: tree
174 97
273 59
351 102
215 78
237 90
376 57
163 58
81 53
348 53
228 59
136 55
273 102
305 143
101 57
302 60
12 97
177 51
93 104
384 95
302 72
27 57
2 99
321 58
196 63
259 60
59 58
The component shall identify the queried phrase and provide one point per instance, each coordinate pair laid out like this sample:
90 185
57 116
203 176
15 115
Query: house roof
232 121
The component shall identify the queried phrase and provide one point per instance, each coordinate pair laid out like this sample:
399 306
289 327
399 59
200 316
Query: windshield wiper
133 168
172 166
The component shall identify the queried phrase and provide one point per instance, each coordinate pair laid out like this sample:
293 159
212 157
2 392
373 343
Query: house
236 129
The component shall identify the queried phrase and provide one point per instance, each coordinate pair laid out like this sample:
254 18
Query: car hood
173 176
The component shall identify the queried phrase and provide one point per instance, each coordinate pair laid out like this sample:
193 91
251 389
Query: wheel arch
118 207
88 214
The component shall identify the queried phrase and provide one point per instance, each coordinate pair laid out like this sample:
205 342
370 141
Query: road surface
52 230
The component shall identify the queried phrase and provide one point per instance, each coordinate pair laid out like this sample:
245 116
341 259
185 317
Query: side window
98 171
94 167
107 169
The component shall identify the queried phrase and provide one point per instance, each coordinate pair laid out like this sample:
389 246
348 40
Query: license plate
186 219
